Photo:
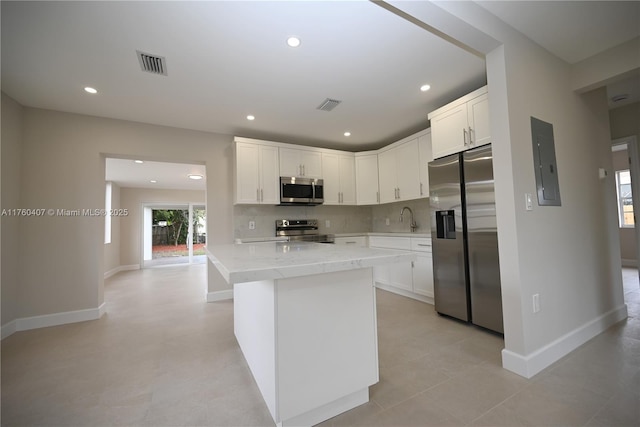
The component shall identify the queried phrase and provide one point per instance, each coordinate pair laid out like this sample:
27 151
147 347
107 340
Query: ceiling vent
153 64
328 104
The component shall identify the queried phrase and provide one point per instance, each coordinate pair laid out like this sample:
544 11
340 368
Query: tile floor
161 356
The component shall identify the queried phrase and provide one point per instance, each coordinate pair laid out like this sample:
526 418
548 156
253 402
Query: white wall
133 199
10 153
112 250
569 255
62 167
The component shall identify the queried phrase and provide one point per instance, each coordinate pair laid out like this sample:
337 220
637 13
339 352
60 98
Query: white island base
310 342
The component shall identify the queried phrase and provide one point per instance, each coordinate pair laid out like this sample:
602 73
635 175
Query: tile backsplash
380 213
342 219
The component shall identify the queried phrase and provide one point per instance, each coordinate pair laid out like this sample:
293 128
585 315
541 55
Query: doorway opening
174 234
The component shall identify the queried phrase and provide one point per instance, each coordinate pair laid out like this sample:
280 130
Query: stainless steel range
302 230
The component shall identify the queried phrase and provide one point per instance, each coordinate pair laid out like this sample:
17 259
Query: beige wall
571 261
133 199
10 153
62 167
625 121
569 255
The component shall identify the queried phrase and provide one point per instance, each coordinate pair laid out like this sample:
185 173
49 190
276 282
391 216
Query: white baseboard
8 329
220 295
630 263
408 294
529 365
117 270
54 319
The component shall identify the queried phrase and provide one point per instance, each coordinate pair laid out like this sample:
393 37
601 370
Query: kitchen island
305 319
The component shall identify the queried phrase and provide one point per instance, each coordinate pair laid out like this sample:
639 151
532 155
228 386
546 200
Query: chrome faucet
412 224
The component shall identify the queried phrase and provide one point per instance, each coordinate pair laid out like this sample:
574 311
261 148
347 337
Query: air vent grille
328 104
152 63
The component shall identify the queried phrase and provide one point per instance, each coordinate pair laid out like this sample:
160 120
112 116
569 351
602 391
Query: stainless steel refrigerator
464 238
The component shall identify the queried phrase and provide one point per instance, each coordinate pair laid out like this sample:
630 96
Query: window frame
620 199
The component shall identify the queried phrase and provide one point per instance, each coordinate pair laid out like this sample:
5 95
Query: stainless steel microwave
301 191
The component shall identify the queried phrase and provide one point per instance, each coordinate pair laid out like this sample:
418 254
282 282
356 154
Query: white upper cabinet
294 162
424 148
399 172
257 174
367 179
338 172
478 115
461 124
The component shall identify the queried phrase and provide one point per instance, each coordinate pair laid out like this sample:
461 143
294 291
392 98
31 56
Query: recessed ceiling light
620 97
293 41
425 88
195 176
138 162
153 181
347 134
90 90
250 117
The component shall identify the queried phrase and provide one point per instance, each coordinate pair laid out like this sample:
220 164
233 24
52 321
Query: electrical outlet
528 201
327 223
536 303
387 221
252 225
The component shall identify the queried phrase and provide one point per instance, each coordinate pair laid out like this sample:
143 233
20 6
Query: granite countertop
250 262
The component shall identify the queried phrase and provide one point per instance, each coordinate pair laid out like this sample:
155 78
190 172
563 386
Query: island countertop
249 262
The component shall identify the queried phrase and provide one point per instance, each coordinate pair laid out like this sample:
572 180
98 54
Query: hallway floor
162 356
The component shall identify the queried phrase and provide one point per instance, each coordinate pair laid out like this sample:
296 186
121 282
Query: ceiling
226 60
577 30
167 176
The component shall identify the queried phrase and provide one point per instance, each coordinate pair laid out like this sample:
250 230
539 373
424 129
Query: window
625 200
107 217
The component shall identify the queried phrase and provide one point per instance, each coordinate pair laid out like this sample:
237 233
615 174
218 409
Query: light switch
252 225
528 201
327 223
387 221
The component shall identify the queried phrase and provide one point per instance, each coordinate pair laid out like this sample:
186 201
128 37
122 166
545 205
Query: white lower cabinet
355 241
413 279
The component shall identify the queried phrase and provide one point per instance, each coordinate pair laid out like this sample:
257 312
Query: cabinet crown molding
468 97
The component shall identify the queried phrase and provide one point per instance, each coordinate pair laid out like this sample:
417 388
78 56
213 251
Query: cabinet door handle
398 193
464 137
257 194
351 243
412 264
304 171
421 193
377 196
261 195
422 244
470 137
